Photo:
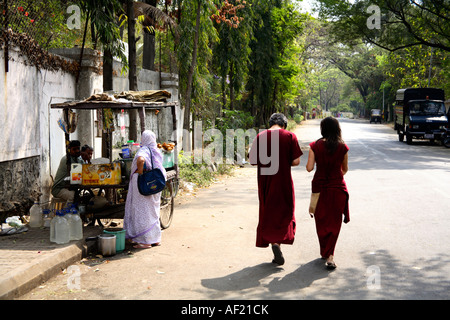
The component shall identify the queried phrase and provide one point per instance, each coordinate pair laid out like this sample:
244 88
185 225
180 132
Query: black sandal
278 259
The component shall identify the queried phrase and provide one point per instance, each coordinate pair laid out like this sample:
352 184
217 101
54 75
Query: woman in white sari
141 220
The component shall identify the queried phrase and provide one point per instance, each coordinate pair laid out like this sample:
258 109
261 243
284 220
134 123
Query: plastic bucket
120 237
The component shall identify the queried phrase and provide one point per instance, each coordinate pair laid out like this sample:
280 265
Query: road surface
396 246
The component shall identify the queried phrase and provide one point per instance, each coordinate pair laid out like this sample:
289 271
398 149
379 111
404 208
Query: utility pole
431 64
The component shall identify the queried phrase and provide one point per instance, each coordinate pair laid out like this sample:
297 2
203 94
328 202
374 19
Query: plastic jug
61 230
46 218
52 226
76 173
75 224
65 212
126 149
68 217
36 220
134 149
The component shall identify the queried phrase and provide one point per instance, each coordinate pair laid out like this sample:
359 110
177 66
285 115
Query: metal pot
106 244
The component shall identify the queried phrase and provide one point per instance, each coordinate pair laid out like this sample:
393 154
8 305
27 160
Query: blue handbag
151 181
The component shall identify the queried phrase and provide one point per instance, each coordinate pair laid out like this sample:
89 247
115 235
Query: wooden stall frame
141 107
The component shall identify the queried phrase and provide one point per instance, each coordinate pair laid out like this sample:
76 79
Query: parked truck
420 114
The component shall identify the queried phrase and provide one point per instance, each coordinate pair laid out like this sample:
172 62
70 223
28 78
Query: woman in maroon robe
330 153
274 151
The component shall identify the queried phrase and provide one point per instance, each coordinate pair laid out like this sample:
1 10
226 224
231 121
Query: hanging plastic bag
72 125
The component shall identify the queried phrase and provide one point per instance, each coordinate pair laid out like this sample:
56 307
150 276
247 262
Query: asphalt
28 259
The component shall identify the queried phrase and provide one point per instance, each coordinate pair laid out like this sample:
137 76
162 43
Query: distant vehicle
375 115
420 114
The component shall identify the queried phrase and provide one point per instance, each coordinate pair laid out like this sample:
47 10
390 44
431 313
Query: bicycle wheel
175 186
166 206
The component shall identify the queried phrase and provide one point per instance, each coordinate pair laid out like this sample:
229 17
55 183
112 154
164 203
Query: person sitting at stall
58 189
86 154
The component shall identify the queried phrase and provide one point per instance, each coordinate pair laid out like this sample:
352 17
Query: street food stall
102 188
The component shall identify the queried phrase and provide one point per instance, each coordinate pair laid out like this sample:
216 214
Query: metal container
107 244
126 168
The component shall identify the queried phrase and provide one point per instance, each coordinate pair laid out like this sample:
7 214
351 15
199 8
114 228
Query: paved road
397 245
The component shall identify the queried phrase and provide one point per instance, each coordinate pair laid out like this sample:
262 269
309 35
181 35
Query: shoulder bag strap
151 159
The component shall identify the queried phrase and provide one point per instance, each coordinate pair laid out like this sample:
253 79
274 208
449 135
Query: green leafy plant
200 173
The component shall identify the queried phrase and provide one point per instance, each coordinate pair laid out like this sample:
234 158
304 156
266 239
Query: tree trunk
107 86
148 59
107 71
187 108
132 77
231 86
224 94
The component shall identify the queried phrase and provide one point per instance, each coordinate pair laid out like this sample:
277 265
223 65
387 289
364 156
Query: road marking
374 151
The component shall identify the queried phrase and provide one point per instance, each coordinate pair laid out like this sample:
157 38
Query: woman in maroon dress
274 151
330 153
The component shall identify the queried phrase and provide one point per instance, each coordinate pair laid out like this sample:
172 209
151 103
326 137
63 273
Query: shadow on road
244 279
424 279
303 277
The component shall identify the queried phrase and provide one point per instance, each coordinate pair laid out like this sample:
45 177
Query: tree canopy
391 24
249 58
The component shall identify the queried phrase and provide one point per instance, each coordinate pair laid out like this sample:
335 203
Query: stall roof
115 104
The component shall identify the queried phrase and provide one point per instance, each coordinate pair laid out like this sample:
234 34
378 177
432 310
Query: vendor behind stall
63 172
86 153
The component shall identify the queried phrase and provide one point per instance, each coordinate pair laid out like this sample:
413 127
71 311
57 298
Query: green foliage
404 23
184 50
234 119
273 72
413 34
103 15
292 125
298 118
200 174
411 68
288 24
231 56
44 21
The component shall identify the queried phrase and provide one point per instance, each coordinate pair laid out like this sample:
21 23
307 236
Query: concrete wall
91 83
28 130
31 142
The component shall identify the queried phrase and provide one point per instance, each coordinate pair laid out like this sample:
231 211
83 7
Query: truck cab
420 114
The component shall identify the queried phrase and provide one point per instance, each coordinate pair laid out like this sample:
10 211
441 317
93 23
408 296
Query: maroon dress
275 185
333 200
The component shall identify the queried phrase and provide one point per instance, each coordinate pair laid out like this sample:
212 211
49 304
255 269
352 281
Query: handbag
151 181
313 203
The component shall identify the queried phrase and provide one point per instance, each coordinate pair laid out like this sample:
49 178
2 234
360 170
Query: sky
306 6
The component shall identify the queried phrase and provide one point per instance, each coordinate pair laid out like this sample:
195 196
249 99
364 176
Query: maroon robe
333 200
275 186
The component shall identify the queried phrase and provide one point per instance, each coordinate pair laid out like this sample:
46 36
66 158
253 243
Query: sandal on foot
142 246
331 265
278 259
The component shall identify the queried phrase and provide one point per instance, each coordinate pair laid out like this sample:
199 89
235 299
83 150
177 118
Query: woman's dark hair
331 131
278 119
